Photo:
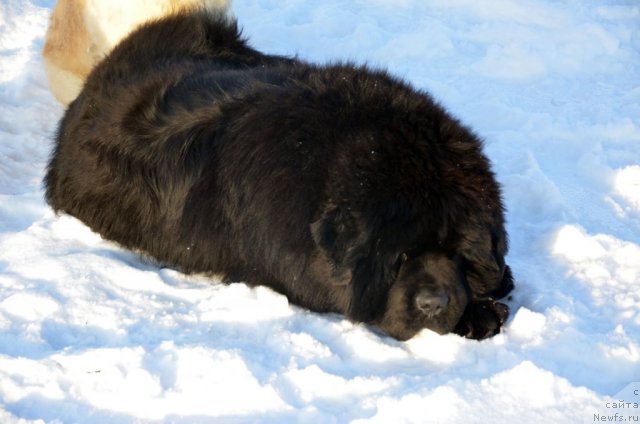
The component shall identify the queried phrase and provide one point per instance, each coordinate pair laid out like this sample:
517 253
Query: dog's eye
401 259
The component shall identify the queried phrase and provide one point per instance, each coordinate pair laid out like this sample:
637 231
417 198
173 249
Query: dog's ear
337 233
483 249
344 239
372 278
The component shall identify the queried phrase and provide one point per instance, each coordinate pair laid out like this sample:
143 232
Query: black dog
339 186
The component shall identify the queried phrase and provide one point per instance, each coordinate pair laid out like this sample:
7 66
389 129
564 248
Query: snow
90 332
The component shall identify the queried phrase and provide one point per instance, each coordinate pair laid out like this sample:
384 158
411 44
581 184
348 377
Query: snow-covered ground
92 333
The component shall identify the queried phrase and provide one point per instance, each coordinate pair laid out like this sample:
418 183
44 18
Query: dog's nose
430 303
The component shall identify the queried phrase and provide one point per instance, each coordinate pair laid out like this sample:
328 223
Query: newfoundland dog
340 186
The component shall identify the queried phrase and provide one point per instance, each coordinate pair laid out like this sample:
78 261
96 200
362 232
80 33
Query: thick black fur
338 185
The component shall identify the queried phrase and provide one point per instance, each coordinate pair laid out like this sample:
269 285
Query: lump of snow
575 245
528 325
627 185
29 307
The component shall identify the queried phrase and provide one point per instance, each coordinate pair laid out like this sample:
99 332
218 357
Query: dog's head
418 234
403 281
411 218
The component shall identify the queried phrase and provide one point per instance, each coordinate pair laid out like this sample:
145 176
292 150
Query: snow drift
90 332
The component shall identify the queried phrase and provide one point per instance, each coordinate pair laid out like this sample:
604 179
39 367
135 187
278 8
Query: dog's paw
482 319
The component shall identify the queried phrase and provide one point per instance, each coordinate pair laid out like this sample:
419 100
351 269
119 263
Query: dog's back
131 145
